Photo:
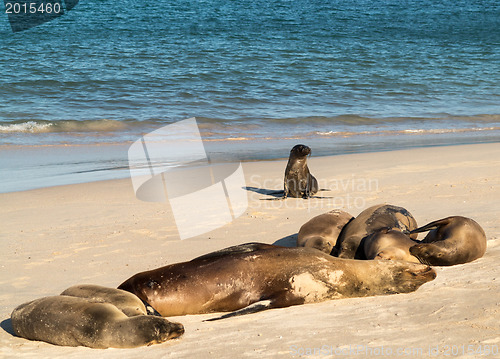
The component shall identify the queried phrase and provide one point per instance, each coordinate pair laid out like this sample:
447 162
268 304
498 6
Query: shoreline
54 165
100 233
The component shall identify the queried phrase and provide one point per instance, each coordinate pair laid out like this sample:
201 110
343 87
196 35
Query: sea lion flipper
253 308
432 225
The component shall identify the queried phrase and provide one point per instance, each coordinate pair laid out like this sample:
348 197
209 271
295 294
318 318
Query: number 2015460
33 8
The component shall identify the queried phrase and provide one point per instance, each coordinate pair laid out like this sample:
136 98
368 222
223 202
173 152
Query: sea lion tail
432 225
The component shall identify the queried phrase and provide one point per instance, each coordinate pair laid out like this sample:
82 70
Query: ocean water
259 76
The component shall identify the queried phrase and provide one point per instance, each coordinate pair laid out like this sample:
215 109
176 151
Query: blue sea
259 76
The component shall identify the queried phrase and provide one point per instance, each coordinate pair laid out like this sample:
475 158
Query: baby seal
128 303
236 277
372 219
95 323
389 244
322 232
299 182
450 241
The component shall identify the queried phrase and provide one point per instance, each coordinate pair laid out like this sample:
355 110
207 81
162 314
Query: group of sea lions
337 256
381 231
223 281
390 232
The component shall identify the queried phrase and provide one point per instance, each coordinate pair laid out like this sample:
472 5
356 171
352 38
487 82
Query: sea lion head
351 248
319 243
407 277
155 330
428 253
299 151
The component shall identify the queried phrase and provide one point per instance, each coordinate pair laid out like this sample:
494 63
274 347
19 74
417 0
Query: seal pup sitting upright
371 220
236 277
299 182
321 232
391 244
452 240
92 320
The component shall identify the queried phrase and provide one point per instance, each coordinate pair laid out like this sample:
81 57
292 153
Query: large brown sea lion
95 323
389 244
233 278
451 240
299 182
371 220
321 232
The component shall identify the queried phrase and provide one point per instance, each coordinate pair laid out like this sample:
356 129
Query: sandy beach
100 233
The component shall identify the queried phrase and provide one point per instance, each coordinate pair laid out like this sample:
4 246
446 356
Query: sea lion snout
424 254
410 277
176 330
301 150
418 274
427 273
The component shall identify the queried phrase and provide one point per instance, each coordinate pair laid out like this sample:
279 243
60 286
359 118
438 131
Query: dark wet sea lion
76 321
371 220
452 240
389 244
236 277
321 232
299 182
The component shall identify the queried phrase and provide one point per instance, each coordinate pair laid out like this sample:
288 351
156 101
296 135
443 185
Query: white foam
30 127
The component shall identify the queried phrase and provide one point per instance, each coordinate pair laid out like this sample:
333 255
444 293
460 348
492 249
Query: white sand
100 233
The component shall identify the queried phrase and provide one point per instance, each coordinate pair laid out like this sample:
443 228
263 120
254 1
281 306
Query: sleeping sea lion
92 320
236 277
451 240
371 220
128 303
389 244
321 232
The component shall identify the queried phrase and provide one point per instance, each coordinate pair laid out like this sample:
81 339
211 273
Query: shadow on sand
288 241
268 192
7 326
